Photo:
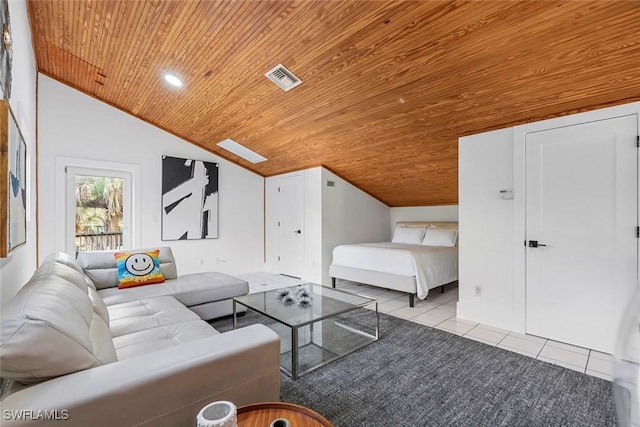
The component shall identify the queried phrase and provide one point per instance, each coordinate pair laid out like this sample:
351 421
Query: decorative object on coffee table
280 422
218 414
297 294
269 413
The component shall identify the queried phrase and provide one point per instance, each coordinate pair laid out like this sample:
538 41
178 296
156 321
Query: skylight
241 151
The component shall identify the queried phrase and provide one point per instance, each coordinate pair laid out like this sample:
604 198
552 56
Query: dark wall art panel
189 199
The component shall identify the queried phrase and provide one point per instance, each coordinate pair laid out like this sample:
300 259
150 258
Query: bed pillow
409 235
138 268
440 237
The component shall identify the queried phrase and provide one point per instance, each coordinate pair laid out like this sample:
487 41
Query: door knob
298 231
535 244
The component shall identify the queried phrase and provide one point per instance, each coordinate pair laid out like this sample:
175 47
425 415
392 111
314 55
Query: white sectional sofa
96 357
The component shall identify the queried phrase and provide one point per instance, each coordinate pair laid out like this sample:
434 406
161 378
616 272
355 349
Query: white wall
349 215
16 269
424 213
74 125
485 166
270 224
313 225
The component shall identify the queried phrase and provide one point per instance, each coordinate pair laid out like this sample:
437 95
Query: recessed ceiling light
173 80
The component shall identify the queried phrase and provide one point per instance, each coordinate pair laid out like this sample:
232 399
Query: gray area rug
420 376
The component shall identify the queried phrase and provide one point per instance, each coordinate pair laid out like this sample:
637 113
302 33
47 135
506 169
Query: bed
420 257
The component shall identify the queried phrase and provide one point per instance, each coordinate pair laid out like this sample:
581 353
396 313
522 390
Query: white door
290 220
582 204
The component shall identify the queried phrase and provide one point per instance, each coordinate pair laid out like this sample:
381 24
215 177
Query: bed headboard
439 224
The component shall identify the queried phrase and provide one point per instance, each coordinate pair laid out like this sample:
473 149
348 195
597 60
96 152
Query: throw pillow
440 237
408 235
138 268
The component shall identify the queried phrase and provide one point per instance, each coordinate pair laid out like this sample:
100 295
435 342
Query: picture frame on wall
190 204
13 177
6 51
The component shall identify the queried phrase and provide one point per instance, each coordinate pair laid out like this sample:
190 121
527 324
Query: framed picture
5 50
13 168
189 199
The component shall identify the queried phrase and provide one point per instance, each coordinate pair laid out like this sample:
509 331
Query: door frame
519 203
64 212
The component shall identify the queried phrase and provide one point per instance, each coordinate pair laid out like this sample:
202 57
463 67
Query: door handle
297 231
535 244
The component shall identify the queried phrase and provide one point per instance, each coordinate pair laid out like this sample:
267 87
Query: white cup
218 414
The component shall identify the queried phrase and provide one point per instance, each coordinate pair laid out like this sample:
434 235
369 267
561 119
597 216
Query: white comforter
431 265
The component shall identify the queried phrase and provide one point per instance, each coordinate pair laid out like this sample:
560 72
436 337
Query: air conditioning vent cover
284 78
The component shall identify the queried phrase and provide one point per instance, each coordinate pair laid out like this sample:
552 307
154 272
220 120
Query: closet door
290 224
582 214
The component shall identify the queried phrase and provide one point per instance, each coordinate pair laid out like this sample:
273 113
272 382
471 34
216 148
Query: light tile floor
439 311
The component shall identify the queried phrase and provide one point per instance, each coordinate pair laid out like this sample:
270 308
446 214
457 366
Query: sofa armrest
166 387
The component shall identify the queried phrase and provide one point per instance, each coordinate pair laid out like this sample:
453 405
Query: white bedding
431 265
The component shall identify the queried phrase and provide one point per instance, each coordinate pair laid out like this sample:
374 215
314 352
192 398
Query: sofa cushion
102 268
190 289
54 311
101 340
135 316
153 339
66 259
99 306
138 268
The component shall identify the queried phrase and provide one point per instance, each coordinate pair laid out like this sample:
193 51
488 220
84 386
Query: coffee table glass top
316 324
303 304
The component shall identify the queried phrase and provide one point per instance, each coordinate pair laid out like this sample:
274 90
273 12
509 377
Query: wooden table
262 414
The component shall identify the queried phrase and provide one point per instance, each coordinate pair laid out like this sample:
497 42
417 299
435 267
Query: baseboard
491 316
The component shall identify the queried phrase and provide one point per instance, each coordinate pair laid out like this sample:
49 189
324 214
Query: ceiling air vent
283 77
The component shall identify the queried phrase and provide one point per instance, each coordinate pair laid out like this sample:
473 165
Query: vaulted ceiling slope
388 86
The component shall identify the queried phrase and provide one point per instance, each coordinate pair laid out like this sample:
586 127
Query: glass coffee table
316 324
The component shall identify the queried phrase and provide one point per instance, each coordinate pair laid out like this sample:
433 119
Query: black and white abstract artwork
189 199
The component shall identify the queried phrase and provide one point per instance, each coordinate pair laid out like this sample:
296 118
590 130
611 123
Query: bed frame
382 279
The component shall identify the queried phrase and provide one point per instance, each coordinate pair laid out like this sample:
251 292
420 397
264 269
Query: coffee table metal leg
235 317
294 352
377 322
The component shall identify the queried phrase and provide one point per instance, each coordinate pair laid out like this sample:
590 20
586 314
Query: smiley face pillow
138 268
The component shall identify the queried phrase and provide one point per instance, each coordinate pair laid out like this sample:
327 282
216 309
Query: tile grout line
541 348
568 349
502 339
588 358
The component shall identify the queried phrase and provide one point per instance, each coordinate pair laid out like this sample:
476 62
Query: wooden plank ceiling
388 86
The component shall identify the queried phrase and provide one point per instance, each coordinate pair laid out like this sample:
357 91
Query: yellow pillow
138 268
